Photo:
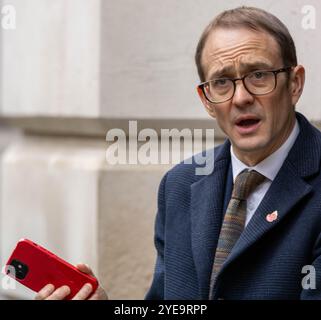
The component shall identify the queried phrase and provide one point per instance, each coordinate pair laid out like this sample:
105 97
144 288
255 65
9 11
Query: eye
258 75
220 82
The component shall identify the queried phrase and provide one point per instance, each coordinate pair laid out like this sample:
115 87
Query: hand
50 293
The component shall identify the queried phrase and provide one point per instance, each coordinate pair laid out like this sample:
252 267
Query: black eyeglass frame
275 72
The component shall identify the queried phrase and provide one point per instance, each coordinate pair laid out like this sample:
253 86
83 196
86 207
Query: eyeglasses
257 83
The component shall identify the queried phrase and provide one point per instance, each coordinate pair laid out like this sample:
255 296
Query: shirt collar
271 165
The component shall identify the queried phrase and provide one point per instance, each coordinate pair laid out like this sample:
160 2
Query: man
213 239
246 230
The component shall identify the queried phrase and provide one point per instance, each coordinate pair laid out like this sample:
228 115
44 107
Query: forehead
238 50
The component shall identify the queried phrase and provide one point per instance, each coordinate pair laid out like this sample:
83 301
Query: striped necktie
234 219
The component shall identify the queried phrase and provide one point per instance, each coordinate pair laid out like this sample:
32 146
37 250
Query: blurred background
73 69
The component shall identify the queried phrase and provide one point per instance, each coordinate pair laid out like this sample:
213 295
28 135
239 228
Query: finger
45 292
60 293
99 294
85 269
95 296
84 292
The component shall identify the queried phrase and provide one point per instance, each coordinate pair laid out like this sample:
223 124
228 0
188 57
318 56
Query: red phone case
35 267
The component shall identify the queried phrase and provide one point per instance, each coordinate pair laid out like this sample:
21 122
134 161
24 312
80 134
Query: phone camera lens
18 269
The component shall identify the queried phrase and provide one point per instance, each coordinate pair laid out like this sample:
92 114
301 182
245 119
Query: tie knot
245 183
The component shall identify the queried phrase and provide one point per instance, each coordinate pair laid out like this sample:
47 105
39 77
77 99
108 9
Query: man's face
256 125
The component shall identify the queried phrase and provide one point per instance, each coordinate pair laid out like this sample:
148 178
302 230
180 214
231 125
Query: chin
251 145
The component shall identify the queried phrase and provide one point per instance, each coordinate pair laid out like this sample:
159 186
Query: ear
297 83
208 106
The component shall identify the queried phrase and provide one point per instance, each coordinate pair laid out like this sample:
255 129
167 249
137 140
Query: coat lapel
207 195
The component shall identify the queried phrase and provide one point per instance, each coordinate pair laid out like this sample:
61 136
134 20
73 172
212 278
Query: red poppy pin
272 216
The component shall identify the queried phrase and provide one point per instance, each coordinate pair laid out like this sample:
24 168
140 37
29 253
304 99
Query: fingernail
50 286
66 288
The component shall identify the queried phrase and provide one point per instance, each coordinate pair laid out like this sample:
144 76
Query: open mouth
247 124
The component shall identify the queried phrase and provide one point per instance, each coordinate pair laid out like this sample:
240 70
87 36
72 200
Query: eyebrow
228 70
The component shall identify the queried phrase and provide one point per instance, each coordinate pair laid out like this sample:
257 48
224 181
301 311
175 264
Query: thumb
85 269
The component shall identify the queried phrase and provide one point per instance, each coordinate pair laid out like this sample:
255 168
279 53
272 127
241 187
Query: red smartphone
35 267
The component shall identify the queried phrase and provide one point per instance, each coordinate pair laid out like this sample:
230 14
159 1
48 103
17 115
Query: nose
241 96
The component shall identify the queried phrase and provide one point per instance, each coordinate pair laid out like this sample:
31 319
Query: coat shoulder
193 169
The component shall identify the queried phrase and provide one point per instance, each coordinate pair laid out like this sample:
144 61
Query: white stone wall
51 61
72 70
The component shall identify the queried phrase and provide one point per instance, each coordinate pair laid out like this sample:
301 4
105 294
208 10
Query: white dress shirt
269 167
